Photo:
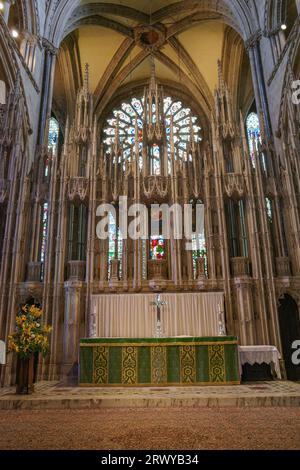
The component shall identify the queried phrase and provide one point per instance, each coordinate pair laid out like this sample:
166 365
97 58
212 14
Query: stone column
253 48
73 328
41 149
47 89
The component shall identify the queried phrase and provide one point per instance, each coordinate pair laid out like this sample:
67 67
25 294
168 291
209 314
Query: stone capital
253 40
49 47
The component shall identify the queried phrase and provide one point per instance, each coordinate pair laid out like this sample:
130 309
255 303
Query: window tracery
122 125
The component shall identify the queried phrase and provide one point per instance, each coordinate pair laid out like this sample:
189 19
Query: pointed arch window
53 136
253 134
254 139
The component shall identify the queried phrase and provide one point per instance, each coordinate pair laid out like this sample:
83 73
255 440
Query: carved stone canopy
234 185
155 188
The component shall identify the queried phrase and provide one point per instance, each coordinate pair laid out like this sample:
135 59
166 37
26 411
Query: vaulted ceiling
118 39
145 6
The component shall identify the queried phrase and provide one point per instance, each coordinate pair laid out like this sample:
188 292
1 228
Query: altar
177 361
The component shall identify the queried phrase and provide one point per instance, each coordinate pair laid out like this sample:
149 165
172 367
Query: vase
25 376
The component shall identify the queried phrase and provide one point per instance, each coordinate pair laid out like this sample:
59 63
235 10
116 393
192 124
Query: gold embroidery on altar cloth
129 365
216 358
100 361
158 365
187 364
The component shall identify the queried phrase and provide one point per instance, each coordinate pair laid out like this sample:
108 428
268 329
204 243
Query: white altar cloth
133 316
259 355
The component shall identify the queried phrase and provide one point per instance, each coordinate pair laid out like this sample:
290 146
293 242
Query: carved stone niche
240 266
78 189
155 188
76 270
157 269
283 267
200 269
34 272
234 186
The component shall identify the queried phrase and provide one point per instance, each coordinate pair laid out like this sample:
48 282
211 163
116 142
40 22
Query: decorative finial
153 76
220 75
86 76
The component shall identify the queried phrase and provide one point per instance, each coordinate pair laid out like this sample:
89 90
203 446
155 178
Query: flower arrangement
31 335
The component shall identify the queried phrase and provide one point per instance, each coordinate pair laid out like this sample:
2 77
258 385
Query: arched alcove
289 321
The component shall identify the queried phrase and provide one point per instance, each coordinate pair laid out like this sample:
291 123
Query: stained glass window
53 134
134 111
52 141
157 247
253 133
254 138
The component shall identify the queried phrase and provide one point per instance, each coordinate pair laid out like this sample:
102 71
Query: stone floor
54 395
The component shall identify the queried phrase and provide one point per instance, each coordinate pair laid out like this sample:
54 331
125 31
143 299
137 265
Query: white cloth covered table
259 355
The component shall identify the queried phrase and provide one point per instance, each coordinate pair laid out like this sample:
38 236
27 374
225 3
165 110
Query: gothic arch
291 293
63 15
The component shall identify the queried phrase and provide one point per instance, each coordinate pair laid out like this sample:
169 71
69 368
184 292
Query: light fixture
14 33
283 27
1 6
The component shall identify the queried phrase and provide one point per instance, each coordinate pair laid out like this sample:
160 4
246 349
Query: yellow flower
47 329
35 311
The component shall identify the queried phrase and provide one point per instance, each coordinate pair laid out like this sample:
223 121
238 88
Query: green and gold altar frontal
159 361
